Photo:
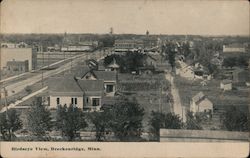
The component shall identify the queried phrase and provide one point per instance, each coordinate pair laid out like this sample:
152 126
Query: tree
170 53
69 120
235 120
159 120
39 119
9 124
126 120
193 122
101 121
229 62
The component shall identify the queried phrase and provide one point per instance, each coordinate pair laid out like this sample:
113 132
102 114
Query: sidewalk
13 105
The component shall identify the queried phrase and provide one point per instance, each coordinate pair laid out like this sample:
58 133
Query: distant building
128 45
149 61
19 54
226 85
200 103
20 66
233 48
14 45
150 42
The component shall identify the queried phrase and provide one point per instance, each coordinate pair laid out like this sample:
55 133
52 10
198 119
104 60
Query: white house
200 103
84 94
226 85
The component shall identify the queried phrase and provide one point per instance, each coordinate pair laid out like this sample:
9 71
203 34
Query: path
177 107
13 105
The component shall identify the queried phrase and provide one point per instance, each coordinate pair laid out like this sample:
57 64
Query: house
149 61
200 103
226 85
113 66
20 66
109 78
67 90
19 54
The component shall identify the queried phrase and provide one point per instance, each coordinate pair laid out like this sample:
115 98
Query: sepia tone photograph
112 72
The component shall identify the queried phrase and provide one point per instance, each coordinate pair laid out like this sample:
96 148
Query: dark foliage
236 120
9 124
70 120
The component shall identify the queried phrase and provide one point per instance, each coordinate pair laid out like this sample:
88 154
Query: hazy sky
127 16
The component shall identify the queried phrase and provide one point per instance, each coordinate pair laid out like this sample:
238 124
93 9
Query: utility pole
41 49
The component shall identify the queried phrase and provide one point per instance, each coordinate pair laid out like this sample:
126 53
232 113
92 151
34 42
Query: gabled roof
68 86
105 75
204 102
149 56
226 81
64 86
199 96
81 71
91 87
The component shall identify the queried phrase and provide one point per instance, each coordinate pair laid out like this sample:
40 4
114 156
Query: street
177 107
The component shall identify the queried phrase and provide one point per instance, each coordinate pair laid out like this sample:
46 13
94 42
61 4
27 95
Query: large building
234 48
18 54
128 44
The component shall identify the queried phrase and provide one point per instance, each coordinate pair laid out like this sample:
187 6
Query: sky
128 16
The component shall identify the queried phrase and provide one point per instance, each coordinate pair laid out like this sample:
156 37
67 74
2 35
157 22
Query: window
109 88
95 101
74 101
87 100
57 101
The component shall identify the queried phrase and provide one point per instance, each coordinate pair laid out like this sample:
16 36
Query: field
151 92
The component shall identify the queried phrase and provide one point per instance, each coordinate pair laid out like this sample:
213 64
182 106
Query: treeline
123 119
240 61
128 62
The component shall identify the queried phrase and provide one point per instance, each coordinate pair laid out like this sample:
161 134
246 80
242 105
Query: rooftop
70 86
198 97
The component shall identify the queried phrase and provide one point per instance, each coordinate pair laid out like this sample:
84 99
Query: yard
220 99
151 92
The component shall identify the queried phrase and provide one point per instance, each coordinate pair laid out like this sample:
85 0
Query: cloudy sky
128 16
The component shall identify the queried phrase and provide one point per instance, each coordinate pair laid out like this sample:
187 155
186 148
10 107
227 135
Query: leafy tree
229 62
156 122
9 124
39 119
128 62
242 61
69 120
235 120
193 122
101 121
126 120
170 53
159 120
